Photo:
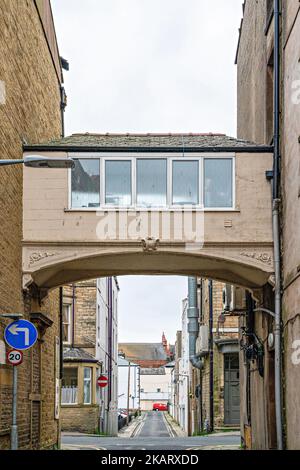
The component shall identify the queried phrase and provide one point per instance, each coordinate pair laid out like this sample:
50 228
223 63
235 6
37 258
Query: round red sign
14 357
102 381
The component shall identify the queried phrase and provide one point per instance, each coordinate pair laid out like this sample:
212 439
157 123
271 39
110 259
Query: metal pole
128 393
14 427
11 162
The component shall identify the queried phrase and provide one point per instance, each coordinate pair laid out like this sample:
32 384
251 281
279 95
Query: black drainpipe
211 358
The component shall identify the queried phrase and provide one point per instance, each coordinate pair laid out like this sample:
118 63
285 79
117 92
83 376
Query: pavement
152 431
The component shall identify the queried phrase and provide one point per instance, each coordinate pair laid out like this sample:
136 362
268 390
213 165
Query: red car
160 407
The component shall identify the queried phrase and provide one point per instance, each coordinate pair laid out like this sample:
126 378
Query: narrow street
154 426
153 434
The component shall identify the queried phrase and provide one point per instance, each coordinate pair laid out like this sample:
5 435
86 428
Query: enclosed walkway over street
192 204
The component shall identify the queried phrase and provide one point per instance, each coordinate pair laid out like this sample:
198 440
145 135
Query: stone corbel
27 282
41 321
32 290
258 296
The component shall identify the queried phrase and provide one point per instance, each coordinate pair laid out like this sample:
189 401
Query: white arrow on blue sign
21 335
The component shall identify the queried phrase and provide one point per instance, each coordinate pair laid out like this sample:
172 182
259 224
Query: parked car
121 421
160 407
122 417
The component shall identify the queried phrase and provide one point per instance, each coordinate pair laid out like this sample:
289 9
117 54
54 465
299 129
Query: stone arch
48 267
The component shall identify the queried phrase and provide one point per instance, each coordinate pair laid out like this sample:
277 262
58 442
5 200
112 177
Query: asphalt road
152 435
154 426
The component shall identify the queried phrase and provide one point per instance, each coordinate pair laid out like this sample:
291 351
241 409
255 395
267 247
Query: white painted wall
109 415
134 395
184 372
155 388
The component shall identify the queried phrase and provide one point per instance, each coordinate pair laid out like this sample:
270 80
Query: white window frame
90 380
200 182
220 209
133 157
84 157
103 182
75 403
152 157
69 339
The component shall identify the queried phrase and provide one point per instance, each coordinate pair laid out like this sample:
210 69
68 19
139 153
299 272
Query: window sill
153 209
78 405
67 405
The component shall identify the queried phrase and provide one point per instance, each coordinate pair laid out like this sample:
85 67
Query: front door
231 389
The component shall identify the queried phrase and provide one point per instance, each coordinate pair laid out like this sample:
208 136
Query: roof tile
176 140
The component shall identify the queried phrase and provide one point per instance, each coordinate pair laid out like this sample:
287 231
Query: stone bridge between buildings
157 204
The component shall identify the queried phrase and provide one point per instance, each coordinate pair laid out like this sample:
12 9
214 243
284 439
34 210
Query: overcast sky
149 66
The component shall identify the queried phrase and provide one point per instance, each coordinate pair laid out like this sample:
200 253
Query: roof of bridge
172 141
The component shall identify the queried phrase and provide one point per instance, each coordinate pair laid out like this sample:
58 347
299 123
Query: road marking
218 447
139 428
81 446
168 426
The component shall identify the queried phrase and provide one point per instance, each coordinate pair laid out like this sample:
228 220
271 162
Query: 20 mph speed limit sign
14 357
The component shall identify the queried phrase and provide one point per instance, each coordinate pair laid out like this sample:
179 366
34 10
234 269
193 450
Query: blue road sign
21 335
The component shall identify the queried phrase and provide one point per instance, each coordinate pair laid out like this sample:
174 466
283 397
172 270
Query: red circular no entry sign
102 381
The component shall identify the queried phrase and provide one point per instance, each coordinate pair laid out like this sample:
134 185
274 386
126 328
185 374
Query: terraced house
90 339
30 67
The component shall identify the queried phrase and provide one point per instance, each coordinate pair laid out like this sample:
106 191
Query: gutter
94 149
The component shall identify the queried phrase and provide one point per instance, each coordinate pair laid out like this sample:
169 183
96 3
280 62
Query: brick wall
85 313
82 297
29 111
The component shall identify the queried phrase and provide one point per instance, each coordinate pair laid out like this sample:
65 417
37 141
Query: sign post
19 335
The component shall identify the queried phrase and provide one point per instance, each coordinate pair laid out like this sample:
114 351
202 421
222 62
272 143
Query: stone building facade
208 399
128 372
255 121
30 111
90 324
224 302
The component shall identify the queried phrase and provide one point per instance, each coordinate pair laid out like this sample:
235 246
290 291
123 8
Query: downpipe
193 326
276 228
277 332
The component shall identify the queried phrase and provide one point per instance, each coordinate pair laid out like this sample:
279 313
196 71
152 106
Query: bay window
185 184
118 182
69 386
86 183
